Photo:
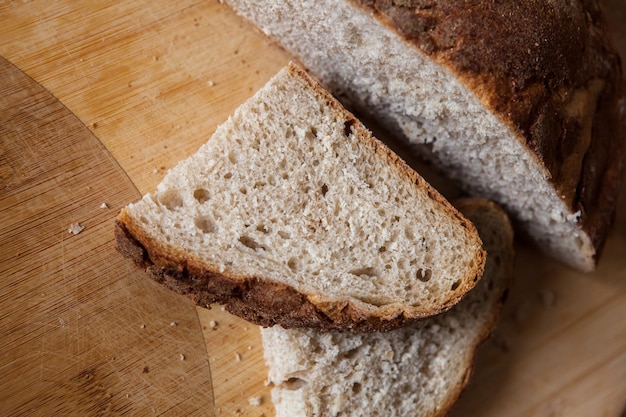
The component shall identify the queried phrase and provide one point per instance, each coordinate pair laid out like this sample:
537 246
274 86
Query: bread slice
418 370
292 213
518 101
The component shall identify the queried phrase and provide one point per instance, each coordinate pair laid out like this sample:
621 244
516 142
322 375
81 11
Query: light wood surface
82 332
151 80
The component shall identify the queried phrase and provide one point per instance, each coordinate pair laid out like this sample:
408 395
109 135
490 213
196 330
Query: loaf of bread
417 371
293 214
518 101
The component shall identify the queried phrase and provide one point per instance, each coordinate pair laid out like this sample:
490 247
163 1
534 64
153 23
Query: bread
417 371
518 101
292 213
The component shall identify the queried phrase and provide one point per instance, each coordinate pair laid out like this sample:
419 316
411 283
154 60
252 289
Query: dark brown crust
268 303
551 73
254 299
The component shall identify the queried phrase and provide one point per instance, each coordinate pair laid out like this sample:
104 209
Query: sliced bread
518 101
293 214
419 370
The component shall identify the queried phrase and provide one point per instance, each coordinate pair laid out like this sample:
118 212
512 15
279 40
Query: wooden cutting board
151 80
82 332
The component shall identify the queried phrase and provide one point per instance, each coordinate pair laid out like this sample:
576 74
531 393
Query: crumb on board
211 83
213 324
145 370
173 324
143 326
237 357
75 228
181 357
104 206
255 401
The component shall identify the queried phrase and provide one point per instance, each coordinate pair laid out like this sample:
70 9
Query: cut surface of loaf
418 370
518 101
292 213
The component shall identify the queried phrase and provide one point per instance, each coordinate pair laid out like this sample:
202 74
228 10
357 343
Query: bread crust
549 72
254 299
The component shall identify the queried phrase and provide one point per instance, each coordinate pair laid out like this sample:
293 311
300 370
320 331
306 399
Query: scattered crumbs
237 357
223 308
255 401
181 357
548 298
211 83
213 324
94 125
245 328
62 322
75 229
249 347
173 324
155 171
104 206
239 411
143 326
156 58
145 370
267 382
130 84
127 395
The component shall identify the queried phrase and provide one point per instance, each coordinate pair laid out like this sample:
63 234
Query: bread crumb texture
294 191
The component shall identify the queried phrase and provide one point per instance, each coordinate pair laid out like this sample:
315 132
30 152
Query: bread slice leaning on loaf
293 214
419 370
519 101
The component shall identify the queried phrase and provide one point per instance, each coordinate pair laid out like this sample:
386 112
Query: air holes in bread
143 219
206 224
201 195
171 199
324 189
228 175
311 133
347 127
249 242
356 388
293 264
293 384
424 275
456 285
367 271
284 235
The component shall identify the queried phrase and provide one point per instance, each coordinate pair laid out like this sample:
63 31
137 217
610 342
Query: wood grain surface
82 333
151 80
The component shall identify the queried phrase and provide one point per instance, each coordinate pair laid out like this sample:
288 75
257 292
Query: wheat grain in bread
418 370
518 101
292 213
